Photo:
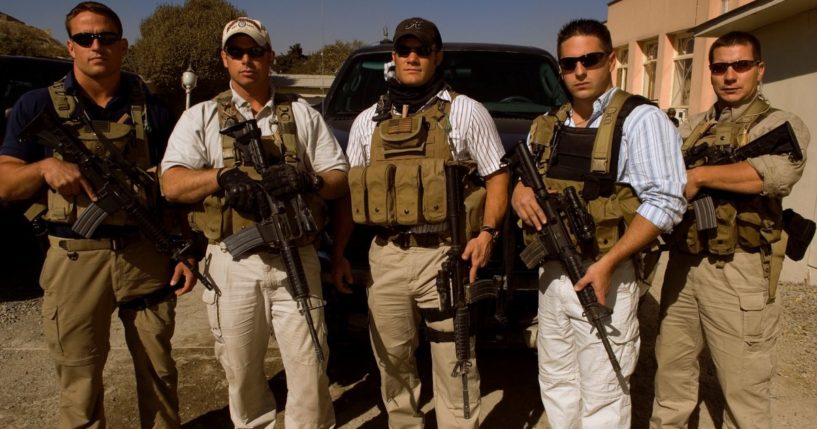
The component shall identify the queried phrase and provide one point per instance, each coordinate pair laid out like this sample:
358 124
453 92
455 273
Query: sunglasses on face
238 53
588 61
421 51
739 66
106 38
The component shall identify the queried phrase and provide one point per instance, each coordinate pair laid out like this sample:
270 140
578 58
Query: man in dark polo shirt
85 280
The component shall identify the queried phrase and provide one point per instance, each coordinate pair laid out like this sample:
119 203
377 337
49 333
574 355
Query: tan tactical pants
254 303
729 310
403 282
83 285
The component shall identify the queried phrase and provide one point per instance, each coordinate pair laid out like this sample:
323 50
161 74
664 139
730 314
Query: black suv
22 260
19 75
515 84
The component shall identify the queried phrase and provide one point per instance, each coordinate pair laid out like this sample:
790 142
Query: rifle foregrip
462 339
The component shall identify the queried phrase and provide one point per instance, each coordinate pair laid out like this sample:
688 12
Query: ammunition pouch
404 185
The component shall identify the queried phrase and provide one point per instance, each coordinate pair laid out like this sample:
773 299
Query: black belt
151 299
63 230
404 240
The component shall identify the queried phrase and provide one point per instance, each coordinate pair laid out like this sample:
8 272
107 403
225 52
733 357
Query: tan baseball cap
247 26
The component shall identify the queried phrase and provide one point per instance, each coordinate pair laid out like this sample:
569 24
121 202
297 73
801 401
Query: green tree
294 56
328 59
176 37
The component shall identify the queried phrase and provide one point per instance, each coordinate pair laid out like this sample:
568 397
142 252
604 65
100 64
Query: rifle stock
109 178
554 241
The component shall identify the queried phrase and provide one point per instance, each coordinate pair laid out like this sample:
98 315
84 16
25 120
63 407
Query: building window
682 69
650 50
621 73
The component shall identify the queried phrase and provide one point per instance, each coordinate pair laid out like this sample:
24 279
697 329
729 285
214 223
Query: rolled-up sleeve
651 162
778 172
188 143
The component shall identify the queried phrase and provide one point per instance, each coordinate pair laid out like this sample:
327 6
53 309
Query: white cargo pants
255 303
576 379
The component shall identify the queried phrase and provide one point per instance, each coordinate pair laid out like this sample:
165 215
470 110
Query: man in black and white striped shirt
406 256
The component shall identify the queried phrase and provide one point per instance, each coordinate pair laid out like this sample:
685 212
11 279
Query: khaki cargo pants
404 280
729 310
84 280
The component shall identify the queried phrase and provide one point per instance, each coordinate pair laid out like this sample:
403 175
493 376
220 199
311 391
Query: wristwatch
490 230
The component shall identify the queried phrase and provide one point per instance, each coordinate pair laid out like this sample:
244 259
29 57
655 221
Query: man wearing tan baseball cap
200 168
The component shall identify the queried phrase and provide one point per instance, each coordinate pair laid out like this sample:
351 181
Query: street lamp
188 83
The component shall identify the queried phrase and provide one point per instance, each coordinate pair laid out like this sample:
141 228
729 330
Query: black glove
282 180
240 191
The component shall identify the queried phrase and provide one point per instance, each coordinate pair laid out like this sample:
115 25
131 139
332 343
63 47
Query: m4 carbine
553 241
453 287
779 141
113 179
275 229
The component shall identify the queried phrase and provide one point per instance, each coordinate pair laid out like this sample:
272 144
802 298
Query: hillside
17 38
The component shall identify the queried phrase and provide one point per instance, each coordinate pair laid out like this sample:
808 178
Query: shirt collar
244 106
728 113
122 93
598 107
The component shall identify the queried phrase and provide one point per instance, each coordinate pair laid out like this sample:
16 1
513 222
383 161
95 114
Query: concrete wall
634 21
791 84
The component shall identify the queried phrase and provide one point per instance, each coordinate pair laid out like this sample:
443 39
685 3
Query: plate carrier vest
749 222
216 220
129 139
404 183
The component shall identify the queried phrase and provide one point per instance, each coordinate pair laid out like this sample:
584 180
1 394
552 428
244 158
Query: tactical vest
216 220
745 221
129 139
404 184
587 159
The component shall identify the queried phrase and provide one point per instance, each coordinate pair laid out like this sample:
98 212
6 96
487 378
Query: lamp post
188 83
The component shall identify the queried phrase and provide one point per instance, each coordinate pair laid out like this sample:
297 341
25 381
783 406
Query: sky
315 23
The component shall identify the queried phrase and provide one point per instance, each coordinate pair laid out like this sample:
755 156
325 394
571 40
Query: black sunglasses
588 60
422 51
739 66
238 53
106 38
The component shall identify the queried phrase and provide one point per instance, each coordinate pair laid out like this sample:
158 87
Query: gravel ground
29 399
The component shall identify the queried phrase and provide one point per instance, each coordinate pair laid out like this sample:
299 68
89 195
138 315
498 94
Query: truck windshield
507 83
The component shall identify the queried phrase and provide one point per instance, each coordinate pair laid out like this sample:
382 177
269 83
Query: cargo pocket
725 240
407 194
357 191
433 178
208 221
608 219
51 328
403 136
751 306
748 227
211 299
474 208
379 186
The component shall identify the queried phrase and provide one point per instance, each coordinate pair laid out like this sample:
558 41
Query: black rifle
779 141
554 240
113 181
453 287
275 229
